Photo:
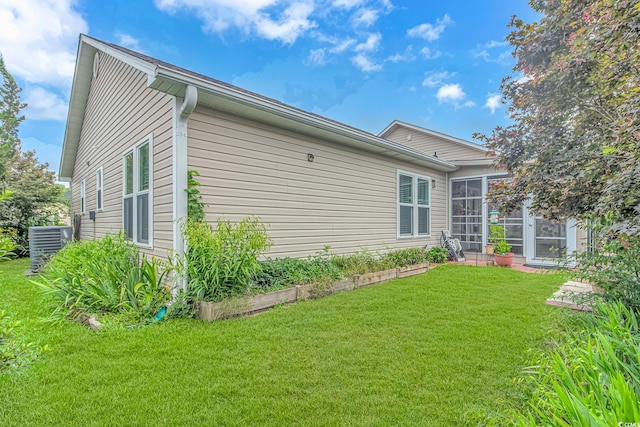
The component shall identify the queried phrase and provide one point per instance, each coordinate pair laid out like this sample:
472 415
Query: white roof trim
450 138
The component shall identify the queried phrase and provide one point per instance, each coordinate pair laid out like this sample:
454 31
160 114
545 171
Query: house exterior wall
121 111
345 198
468 171
429 144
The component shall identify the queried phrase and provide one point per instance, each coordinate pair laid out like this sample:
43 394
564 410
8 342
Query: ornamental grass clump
223 263
107 275
591 377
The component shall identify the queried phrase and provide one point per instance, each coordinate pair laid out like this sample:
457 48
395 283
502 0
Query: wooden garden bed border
210 311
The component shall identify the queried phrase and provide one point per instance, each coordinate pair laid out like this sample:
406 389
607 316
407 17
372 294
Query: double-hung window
99 189
137 219
414 205
83 197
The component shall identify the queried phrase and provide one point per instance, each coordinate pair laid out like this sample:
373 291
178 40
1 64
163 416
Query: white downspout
181 113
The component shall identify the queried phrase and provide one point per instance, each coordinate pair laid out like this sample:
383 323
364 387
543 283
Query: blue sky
361 62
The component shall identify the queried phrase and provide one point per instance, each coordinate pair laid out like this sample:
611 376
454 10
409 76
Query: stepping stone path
574 295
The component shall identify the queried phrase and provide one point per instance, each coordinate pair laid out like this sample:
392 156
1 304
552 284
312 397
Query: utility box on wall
46 241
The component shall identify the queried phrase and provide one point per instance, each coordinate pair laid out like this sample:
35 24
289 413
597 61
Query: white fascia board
77 103
138 63
285 111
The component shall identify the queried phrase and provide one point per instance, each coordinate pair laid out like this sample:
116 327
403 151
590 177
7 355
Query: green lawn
432 349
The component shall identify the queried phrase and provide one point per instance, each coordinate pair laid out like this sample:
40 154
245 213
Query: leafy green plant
614 266
592 377
404 257
437 255
181 307
195 206
6 249
223 263
502 247
497 233
14 354
105 275
359 262
280 273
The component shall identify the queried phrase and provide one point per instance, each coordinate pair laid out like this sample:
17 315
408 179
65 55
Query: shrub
14 354
592 377
437 255
280 273
105 275
614 267
360 262
223 263
6 249
404 257
363 262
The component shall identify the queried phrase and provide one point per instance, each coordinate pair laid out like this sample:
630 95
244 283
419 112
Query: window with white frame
138 192
99 189
83 197
414 205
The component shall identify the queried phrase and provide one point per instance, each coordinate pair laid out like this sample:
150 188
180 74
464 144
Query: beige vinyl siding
121 111
469 171
345 198
429 144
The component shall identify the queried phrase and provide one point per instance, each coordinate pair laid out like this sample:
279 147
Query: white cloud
321 56
494 43
317 57
430 54
450 93
435 78
44 105
365 64
38 40
488 52
371 45
406 56
453 94
293 22
430 32
347 4
250 16
365 17
523 79
128 41
342 46
493 102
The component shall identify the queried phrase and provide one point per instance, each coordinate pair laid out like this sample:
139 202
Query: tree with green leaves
31 196
574 145
10 119
35 201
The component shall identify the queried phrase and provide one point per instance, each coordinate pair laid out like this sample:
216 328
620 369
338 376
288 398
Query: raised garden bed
210 311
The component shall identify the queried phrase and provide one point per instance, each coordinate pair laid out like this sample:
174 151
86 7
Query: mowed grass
433 349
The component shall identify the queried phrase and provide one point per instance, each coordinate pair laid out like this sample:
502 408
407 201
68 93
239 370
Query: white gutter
181 115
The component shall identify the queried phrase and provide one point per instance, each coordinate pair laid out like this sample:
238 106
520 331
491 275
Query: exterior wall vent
46 241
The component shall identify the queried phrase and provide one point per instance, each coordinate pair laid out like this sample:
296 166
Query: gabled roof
397 123
219 95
